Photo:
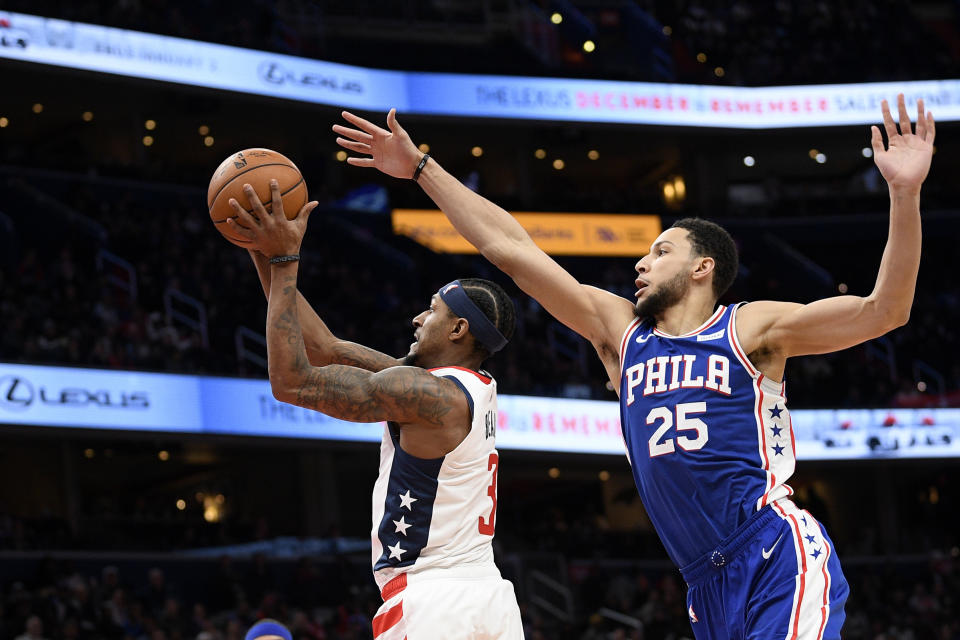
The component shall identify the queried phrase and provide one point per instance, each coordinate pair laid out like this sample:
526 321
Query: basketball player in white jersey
702 399
435 500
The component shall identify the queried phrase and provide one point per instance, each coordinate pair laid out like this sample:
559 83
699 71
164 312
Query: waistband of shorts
399 582
711 562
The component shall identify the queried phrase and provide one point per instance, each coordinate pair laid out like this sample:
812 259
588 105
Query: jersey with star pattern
708 436
439 513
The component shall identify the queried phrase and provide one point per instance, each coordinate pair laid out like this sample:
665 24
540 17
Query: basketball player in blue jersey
702 402
435 500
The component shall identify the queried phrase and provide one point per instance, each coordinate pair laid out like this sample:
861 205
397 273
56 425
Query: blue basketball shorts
776 577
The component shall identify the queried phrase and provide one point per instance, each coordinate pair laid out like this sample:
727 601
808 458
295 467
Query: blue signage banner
97 399
143 55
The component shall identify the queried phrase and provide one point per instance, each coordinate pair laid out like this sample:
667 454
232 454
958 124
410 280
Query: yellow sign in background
559 234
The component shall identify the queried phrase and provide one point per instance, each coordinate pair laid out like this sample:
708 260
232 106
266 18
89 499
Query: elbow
900 318
280 390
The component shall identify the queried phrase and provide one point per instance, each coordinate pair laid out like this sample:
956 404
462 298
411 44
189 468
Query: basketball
255 167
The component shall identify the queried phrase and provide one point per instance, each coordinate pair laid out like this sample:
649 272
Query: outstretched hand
270 232
392 152
906 160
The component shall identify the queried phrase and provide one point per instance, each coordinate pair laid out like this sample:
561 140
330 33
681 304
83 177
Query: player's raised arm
322 346
407 395
836 323
595 314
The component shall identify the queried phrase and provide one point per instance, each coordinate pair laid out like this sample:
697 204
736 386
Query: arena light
604 475
593 154
87 116
163 455
341 156
842 287
150 125
37 108
701 57
424 147
589 46
203 130
208 141
667 30
680 187
866 152
749 161
147 141
181 504
821 158
3 123
559 164
540 154
813 153
89 453
719 72
556 17
553 472
476 152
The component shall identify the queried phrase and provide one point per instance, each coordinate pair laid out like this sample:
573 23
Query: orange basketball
255 167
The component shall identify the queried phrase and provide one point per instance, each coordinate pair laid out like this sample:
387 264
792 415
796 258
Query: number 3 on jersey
493 464
661 445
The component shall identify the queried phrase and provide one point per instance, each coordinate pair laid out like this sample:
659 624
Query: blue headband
480 326
268 627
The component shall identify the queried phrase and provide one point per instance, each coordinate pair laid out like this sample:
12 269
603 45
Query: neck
686 315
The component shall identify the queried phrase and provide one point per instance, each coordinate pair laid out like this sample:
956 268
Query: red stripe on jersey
803 571
484 379
826 590
393 587
763 442
793 441
386 621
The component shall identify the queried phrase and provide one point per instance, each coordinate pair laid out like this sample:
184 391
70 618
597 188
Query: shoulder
755 319
616 314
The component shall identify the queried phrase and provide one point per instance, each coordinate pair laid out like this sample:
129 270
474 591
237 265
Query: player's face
431 328
663 275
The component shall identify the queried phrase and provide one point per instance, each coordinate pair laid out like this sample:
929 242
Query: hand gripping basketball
269 232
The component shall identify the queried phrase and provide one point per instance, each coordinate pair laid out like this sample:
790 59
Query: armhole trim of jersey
735 342
465 392
623 341
484 379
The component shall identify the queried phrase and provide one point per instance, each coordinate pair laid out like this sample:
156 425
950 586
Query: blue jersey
708 437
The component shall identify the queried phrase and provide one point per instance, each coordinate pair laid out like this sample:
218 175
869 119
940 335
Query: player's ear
460 329
703 267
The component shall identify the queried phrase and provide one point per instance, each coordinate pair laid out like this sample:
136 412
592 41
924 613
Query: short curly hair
709 239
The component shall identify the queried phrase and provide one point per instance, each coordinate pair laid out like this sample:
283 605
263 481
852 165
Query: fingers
888 123
254 200
931 128
921 121
905 128
359 147
276 198
239 230
876 141
392 123
306 209
359 122
353 134
243 216
361 162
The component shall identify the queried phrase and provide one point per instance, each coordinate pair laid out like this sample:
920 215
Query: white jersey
439 513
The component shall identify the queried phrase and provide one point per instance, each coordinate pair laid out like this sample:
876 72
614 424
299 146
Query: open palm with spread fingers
906 160
392 152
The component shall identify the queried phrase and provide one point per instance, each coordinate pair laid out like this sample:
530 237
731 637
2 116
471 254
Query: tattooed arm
322 346
406 395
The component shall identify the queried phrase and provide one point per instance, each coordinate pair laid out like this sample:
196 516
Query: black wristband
281 259
423 163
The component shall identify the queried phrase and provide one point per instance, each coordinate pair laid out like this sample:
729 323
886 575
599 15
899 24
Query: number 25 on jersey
663 441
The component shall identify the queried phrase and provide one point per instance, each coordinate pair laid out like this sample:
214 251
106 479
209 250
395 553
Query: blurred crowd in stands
66 301
79 598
